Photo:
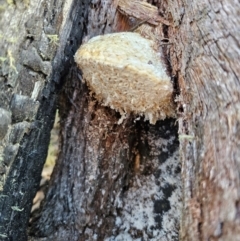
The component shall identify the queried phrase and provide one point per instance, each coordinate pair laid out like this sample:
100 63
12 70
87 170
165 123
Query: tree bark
111 182
33 62
120 182
205 56
106 172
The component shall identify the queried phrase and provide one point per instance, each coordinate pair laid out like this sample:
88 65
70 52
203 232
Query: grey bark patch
32 59
10 153
5 120
26 81
23 108
18 130
151 206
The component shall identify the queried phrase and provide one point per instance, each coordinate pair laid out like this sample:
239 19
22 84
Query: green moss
53 38
16 208
11 61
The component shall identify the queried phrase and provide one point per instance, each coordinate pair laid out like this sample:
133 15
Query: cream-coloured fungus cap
125 72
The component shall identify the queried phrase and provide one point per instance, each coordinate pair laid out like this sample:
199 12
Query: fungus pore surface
125 72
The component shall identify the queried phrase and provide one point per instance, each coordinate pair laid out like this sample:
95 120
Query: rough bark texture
111 182
30 71
205 57
103 169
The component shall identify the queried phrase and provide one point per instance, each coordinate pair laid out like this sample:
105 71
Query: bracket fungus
125 72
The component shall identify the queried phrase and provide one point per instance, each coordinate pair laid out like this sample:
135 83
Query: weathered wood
111 182
141 10
205 57
31 68
112 177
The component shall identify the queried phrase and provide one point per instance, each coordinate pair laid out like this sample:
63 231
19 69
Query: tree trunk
110 178
204 56
119 182
31 73
111 182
